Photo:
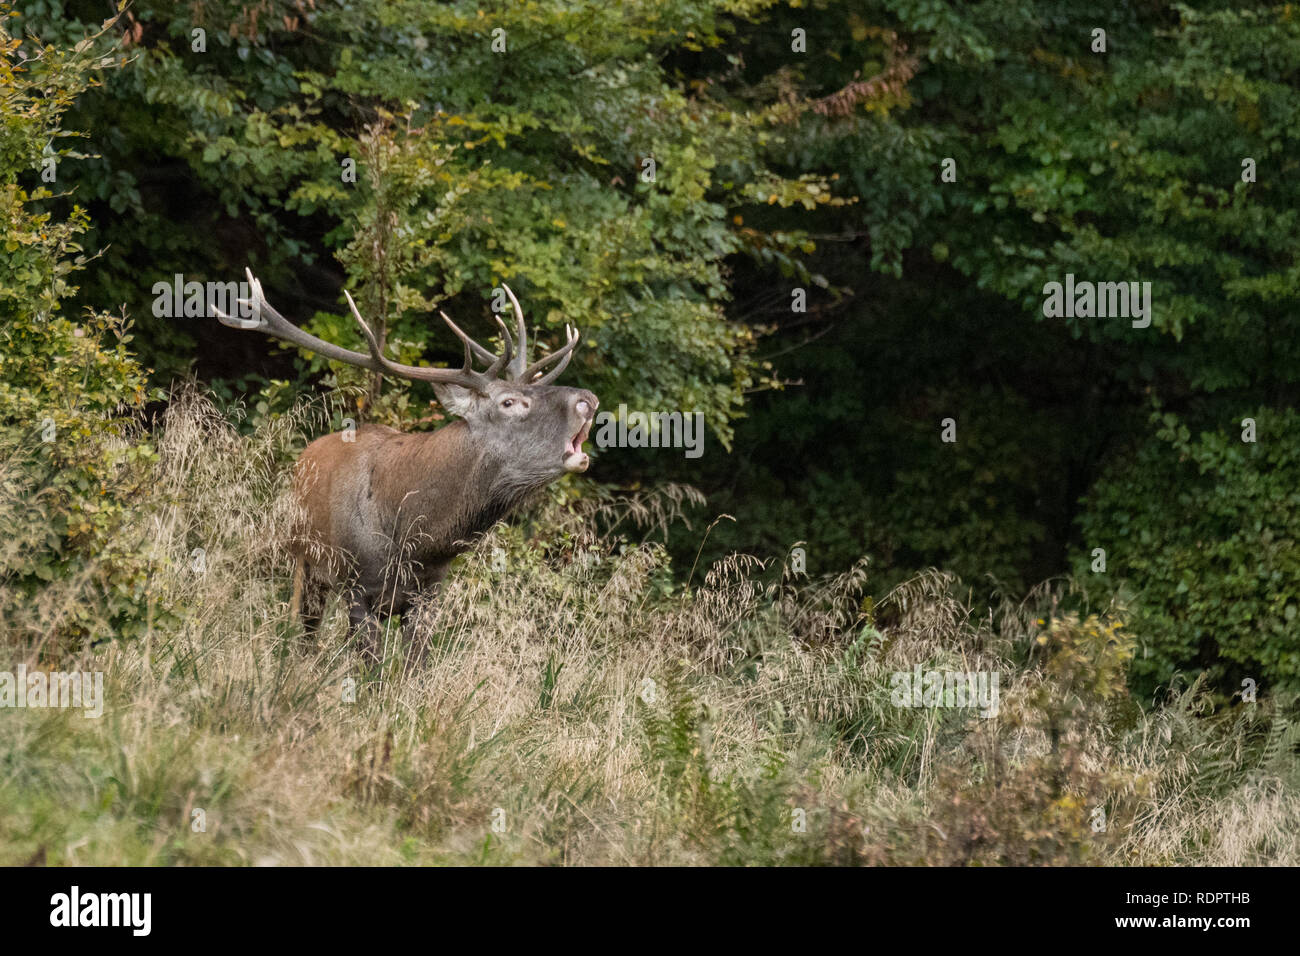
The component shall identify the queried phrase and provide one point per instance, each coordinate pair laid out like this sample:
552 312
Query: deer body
384 512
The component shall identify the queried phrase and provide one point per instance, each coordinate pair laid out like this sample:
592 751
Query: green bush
1203 530
68 467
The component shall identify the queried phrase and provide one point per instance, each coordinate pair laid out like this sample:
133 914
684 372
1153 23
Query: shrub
1203 530
69 467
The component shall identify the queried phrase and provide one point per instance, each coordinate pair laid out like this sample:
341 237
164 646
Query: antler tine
373 343
498 361
517 366
564 354
479 350
256 303
465 376
504 360
276 325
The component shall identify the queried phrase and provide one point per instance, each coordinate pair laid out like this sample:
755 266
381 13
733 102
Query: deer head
532 430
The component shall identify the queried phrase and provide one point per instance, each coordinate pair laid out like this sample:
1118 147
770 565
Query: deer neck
471 489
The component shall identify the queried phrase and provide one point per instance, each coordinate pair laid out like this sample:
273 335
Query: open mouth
575 459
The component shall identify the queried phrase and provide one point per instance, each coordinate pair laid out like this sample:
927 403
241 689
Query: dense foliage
1206 526
675 177
67 385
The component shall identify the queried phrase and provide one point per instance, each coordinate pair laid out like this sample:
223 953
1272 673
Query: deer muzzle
575 459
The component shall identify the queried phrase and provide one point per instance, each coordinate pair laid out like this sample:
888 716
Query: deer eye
507 403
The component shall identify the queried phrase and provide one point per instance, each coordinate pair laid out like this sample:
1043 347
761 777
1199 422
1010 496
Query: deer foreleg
365 626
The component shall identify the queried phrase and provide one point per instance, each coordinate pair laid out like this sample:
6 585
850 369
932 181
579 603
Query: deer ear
455 399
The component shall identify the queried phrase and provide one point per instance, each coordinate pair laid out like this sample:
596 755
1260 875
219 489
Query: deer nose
586 407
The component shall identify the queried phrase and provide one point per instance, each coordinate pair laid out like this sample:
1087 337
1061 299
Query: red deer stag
386 511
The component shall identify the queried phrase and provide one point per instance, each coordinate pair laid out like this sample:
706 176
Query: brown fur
385 512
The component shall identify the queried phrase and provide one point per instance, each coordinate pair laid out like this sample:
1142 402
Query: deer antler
511 360
517 370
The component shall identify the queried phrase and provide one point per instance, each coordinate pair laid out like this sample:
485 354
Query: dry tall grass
583 711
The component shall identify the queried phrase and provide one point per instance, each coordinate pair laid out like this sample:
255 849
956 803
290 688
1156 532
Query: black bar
345 906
